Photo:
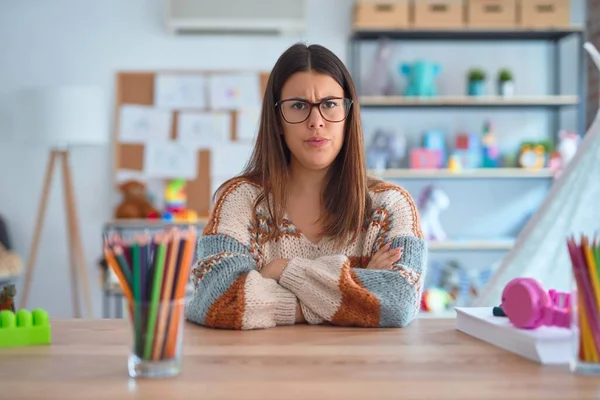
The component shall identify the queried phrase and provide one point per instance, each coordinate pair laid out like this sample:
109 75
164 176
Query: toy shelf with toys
473 114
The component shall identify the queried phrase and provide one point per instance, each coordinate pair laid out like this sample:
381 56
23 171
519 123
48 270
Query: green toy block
24 328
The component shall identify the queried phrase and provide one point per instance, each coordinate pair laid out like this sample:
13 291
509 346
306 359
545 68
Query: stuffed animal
135 203
10 263
431 203
386 150
567 147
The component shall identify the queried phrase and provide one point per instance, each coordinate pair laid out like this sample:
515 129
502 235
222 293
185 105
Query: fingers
391 257
381 252
385 257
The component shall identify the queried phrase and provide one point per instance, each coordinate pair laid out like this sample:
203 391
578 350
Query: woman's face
316 141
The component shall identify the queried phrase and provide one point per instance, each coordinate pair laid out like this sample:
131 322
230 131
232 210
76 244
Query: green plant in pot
506 85
476 82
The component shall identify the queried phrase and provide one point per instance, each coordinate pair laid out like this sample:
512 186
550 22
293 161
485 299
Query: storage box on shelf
545 13
390 14
438 14
491 13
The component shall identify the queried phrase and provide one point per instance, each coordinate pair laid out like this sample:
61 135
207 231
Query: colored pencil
153 271
157 281
179 292
165 296
586 274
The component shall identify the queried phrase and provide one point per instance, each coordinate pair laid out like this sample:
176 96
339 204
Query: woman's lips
317 142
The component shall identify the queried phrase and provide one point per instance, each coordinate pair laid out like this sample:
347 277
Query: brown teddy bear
135 203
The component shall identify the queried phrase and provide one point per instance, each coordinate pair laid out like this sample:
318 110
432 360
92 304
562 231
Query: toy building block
24 328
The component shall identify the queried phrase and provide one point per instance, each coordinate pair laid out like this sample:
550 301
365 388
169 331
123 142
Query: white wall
87 42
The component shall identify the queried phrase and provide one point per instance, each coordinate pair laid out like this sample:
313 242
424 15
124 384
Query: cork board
137 88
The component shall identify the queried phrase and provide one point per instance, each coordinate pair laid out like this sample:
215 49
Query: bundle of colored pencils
153 272
585 261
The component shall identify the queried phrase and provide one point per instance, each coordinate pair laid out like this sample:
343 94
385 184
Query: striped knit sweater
331 286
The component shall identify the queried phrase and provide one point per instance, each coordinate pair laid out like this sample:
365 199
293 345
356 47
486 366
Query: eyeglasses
332 109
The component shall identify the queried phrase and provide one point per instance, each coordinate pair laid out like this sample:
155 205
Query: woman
303 236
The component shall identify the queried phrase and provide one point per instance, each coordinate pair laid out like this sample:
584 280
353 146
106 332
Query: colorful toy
528 306
435 300
436 141
431 203
176 203
421 78
7 298
454 163
386 150
490 153
175 196
532 156
567 147
468 150
24 328
421 158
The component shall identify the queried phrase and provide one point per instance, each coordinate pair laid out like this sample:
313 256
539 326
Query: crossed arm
232 294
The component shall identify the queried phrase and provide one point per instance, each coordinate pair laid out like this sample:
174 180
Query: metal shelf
469 101
469 34
471 245
480 173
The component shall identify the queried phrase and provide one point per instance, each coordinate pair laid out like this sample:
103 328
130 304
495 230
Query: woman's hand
385 257
274 269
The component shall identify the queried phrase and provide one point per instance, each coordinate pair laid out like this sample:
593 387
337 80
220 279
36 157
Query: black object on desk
498 312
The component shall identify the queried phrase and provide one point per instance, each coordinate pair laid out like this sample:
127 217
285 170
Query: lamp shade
62 116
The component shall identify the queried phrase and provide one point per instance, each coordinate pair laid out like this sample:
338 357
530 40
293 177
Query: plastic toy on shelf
24 328
176 204
432 202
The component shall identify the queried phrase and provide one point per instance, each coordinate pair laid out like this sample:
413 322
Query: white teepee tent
571 207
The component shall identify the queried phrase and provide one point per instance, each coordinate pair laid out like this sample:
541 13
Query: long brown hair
345 197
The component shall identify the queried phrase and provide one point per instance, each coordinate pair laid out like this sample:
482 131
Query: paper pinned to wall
229 160
204 129
234 91
142 124
247 123
180 90
170 159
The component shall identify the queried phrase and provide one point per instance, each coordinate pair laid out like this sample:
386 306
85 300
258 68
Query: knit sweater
332 286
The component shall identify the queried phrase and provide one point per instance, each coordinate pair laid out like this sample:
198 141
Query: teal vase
476 88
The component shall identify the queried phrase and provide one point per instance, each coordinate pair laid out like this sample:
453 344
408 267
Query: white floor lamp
62 118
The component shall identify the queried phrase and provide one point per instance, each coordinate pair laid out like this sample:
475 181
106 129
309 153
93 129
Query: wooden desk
429 359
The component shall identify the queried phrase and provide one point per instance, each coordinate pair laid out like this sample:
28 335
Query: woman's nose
315 119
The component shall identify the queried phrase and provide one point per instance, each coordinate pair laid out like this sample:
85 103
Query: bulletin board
137 88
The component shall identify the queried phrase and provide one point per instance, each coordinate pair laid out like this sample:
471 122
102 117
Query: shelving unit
469 101
471 245
554 102
480 173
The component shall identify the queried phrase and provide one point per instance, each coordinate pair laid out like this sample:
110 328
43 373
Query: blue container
476 88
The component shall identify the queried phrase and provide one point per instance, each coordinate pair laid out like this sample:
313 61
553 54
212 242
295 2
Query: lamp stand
74 244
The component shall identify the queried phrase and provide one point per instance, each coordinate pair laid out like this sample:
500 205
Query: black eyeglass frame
347 105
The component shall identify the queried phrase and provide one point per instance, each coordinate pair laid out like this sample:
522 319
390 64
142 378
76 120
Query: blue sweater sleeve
229 291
